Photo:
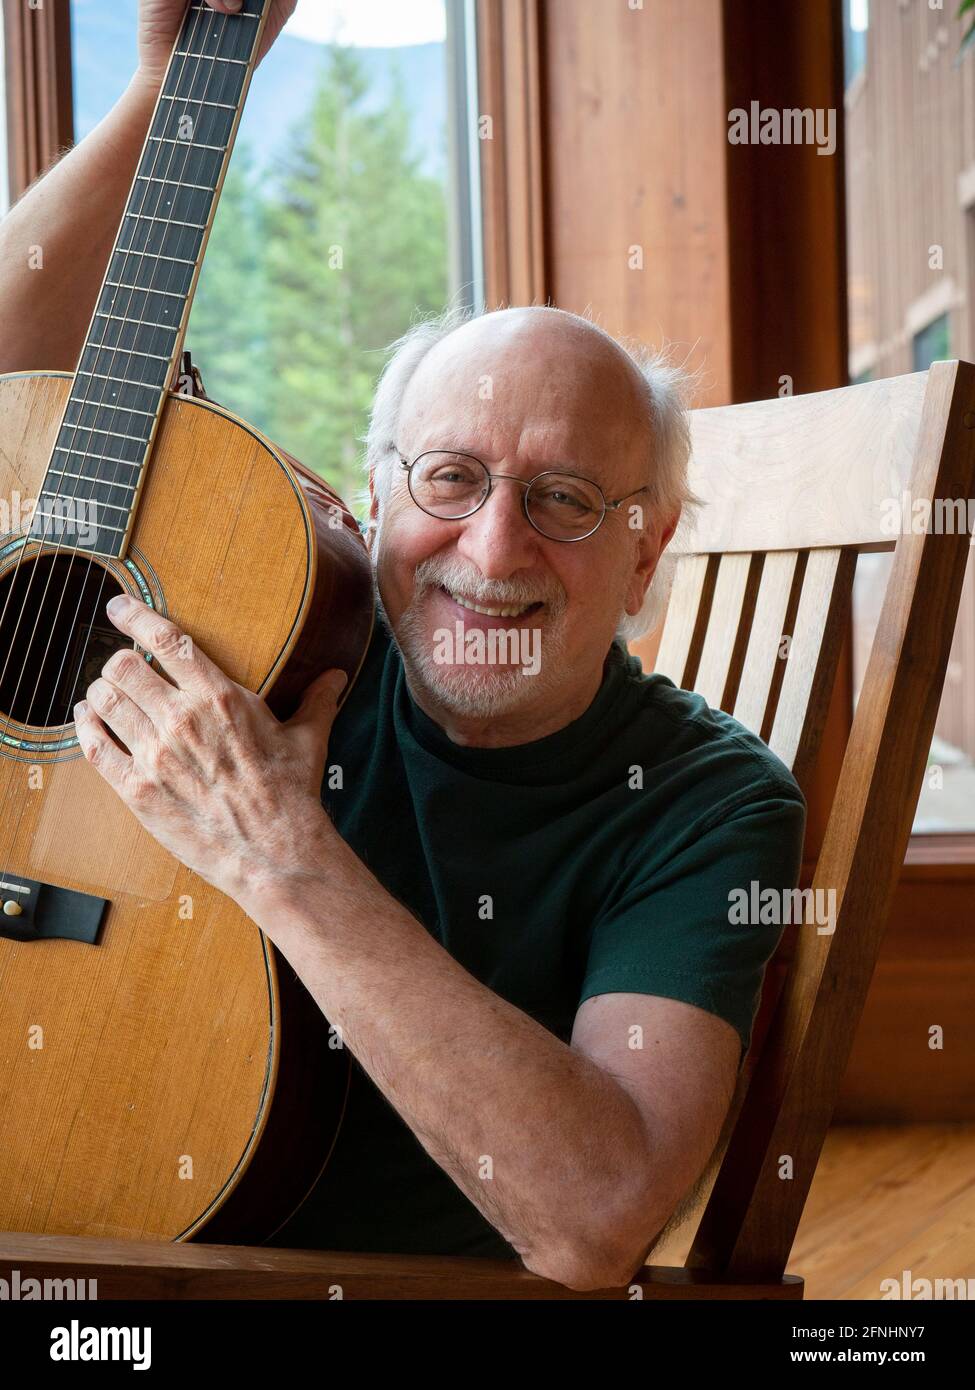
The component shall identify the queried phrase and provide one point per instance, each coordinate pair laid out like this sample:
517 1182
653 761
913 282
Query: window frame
38 90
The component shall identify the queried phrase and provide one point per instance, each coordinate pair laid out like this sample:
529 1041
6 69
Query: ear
373 509
651 545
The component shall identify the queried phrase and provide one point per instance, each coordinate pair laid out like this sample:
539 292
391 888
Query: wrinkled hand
222 784
159 22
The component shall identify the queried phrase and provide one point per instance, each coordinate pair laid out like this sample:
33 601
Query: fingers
110 760
114 708
130 672
176 652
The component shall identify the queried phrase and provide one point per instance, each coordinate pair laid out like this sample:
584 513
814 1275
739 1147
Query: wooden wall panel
635 164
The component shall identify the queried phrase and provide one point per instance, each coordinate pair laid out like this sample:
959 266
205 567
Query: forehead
536 399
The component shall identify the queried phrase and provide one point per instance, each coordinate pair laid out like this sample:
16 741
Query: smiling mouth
495 611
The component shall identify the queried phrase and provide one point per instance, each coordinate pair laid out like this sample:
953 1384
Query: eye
452 473
561 497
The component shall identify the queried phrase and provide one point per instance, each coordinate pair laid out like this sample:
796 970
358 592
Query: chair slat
687 609
723 653
764 663
810 669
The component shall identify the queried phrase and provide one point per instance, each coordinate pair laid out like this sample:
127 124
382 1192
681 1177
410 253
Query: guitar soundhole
55 636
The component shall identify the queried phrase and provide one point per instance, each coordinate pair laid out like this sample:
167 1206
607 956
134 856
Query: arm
49 310
577 1154
578 1160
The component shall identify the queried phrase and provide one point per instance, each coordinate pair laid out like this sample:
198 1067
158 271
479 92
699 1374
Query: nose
499 538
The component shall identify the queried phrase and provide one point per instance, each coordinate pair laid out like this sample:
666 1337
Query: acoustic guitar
163 1073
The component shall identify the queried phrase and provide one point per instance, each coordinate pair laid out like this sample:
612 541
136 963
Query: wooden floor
885 1199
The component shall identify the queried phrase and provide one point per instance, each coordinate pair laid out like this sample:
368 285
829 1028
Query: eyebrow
450 446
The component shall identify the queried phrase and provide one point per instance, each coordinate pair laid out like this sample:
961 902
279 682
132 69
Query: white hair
668 389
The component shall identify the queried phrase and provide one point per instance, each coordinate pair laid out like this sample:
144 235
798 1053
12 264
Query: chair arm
145 1269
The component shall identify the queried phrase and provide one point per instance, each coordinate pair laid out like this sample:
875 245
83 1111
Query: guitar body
170 1078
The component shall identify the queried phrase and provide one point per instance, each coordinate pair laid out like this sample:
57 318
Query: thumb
320 702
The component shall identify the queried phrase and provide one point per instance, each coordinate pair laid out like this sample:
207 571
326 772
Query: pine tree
227 332
356 243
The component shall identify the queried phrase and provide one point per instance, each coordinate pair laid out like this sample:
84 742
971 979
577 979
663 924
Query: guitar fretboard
92 485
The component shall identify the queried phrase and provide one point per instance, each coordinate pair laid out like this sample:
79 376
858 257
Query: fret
100 524
155 255
205 9
209 79
141 323
169 221
199 101
197 165
111 333
146 266
212 57
151 368
226 39
98 482
88 415
108 405
164 243
115 434
142 369
172 200
75 497
107 458
117 285
210 125
187 144
163 308
107 376
152 178
161 240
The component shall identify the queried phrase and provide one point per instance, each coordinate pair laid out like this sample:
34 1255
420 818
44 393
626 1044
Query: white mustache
460 579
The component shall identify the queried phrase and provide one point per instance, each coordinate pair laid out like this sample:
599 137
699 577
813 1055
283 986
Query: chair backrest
794 489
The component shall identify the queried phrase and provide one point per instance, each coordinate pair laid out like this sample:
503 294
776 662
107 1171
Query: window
910 182
931 344
855 22
348 206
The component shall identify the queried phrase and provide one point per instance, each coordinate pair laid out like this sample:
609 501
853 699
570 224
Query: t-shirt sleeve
687 928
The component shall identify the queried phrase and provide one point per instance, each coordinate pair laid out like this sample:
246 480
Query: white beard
479 692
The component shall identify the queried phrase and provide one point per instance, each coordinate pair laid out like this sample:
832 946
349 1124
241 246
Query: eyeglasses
560 506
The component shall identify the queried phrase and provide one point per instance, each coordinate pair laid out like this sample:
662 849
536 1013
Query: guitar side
145 1076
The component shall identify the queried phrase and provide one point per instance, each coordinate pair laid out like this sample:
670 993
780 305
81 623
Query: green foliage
312 272
969 38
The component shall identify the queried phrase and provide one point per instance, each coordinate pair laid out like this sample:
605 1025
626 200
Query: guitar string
214 21
190 33
68 448
96 482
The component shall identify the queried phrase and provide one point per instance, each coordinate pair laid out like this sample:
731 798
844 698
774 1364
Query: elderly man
514 899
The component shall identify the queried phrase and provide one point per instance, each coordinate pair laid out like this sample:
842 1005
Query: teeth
491 612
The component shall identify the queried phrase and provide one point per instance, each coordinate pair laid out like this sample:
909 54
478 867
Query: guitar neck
98 465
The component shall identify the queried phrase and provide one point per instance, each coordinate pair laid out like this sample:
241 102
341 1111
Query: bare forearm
56 241
544 1142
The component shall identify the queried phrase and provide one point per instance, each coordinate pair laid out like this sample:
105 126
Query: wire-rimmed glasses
560 506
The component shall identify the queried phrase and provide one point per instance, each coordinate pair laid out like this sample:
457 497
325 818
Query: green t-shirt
596 860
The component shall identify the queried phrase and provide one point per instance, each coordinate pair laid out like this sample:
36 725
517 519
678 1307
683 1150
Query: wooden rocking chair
795 488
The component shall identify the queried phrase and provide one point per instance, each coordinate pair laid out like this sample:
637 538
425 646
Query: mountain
104 54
